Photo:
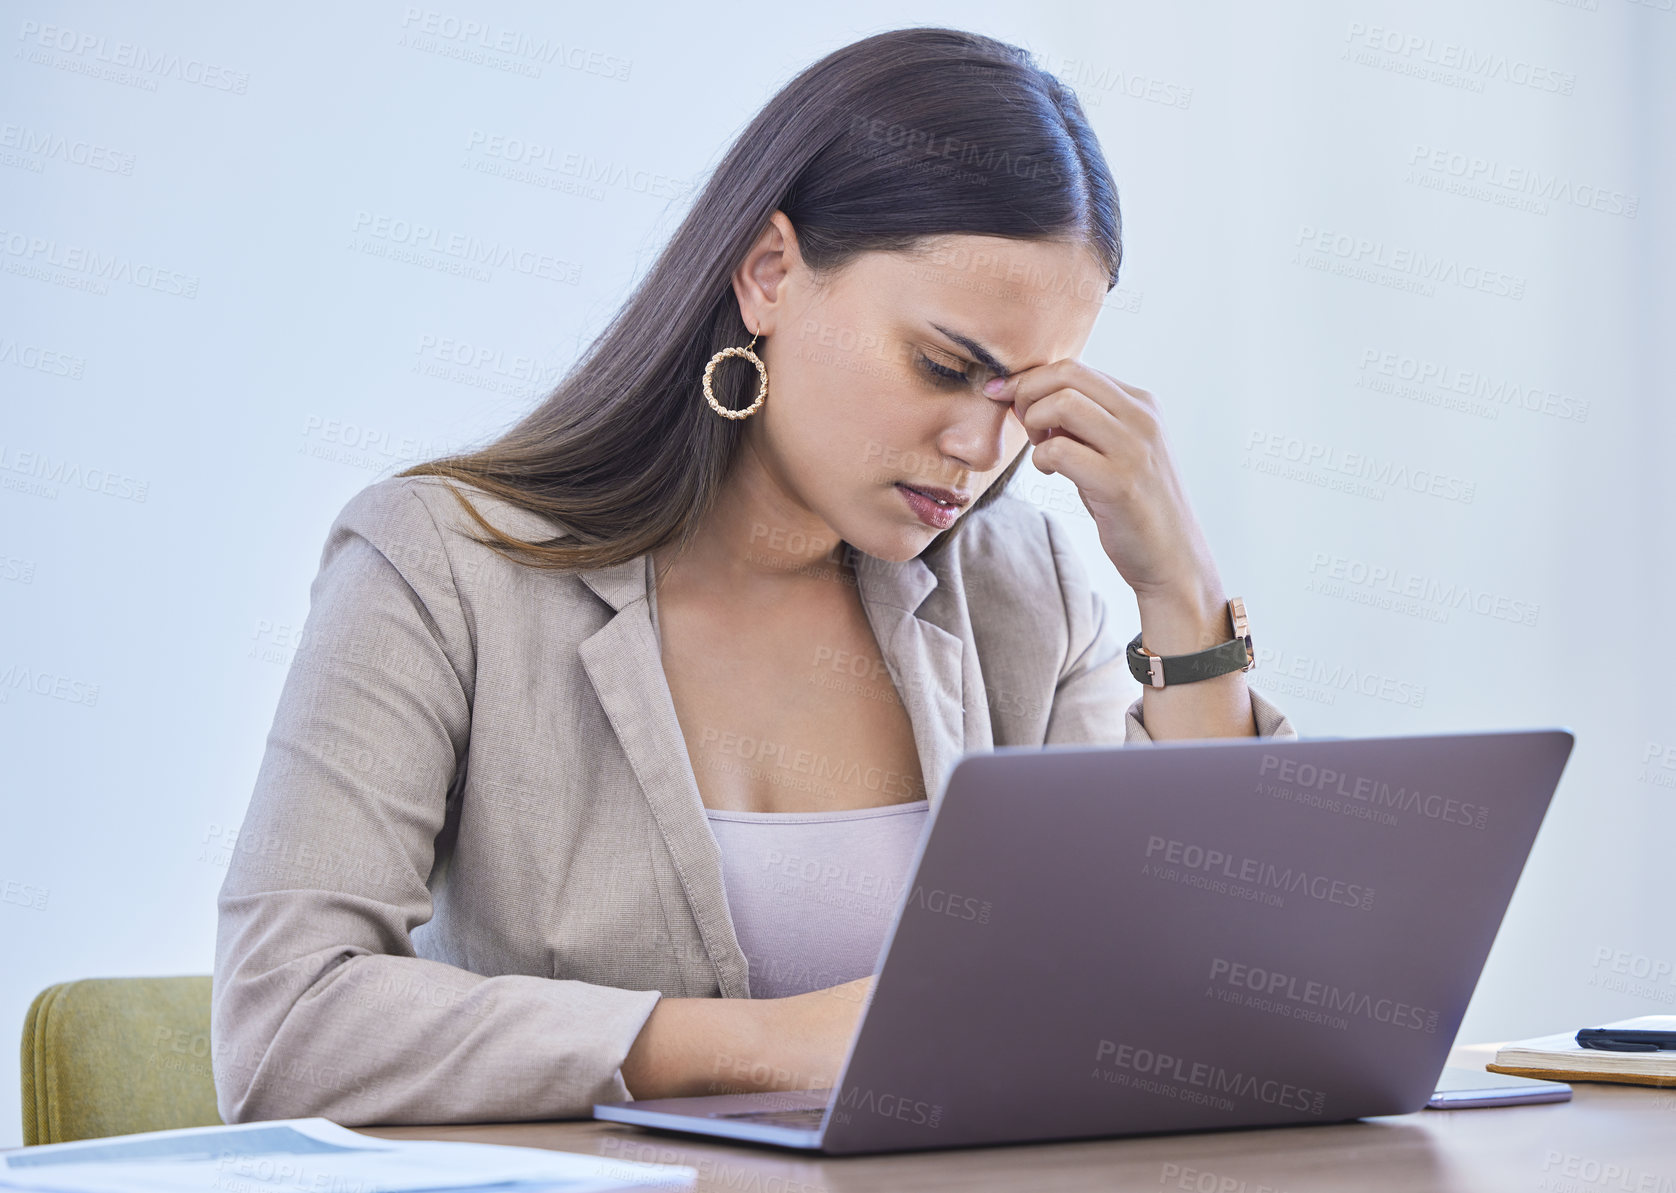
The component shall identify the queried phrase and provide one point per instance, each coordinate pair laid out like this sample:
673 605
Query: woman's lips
928 509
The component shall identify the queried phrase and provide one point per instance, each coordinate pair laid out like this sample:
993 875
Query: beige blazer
476 856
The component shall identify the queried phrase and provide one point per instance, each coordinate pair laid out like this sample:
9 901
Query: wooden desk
1607 1139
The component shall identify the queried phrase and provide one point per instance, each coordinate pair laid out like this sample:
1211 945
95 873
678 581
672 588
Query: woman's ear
761 280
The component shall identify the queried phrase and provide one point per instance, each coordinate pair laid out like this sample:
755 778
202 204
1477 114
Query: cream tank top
812 894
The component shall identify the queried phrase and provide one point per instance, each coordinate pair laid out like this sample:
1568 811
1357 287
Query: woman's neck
757 536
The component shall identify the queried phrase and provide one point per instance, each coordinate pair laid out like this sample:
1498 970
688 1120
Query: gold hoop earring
762 385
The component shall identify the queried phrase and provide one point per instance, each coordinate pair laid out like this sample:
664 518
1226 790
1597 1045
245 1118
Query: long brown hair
898 137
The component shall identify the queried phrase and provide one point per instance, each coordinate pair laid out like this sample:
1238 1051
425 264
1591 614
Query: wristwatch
1160 671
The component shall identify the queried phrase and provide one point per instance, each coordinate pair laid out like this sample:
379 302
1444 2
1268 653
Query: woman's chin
894 544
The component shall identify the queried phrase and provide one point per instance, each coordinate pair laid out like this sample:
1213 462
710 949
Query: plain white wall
209 343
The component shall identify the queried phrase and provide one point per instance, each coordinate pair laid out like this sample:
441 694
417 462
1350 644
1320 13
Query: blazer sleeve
320 1004
1095 680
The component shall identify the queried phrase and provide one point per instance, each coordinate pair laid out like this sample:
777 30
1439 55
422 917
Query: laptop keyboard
807 1119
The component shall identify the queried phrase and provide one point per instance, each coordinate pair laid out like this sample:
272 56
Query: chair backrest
114 1056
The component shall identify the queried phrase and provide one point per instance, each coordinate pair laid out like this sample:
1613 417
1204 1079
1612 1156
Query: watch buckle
1242 629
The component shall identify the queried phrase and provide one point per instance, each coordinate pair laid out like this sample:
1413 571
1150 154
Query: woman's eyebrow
984 355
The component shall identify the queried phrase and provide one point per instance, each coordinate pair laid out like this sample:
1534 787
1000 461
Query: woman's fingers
1077 462
1134 407
1072 412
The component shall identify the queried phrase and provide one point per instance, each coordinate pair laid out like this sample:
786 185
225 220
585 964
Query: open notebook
1561 1058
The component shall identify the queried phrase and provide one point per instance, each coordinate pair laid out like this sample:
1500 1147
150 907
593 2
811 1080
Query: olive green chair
112 1056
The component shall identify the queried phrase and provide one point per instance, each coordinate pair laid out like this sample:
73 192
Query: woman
609 745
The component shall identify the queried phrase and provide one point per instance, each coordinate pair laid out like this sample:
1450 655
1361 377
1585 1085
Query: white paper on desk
313 1155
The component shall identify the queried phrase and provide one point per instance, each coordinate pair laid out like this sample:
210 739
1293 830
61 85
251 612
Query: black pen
1622 1039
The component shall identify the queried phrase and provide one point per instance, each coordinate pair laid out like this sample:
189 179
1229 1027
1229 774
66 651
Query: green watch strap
1160 671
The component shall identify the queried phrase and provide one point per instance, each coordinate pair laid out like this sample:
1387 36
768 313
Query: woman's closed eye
945 376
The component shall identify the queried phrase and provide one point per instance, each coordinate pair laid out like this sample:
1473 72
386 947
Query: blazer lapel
926 661
625 666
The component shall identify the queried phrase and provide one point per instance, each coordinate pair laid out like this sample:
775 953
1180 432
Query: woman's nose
978 441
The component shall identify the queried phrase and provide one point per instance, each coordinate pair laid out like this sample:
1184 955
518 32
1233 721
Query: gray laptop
1181 936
